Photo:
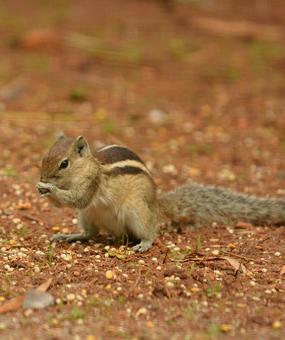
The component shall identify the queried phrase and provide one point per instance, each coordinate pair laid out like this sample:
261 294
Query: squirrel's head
69 163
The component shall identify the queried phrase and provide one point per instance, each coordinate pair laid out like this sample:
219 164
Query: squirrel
114 190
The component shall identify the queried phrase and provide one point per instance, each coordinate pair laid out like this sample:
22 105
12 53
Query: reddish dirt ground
192 101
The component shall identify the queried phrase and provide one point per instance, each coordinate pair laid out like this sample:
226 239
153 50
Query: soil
194 102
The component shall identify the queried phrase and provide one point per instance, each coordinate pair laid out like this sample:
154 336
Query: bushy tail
202 205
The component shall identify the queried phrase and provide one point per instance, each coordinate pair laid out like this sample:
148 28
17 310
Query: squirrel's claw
143 246
44 188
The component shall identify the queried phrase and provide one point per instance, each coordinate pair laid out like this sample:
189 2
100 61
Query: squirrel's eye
64 164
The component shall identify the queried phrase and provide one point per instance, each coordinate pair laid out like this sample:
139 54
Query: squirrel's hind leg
141 223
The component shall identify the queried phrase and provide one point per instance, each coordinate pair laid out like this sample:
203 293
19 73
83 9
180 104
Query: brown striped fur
112 188
115 153
114 191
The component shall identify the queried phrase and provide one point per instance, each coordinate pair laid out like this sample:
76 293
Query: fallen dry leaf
238 29
40 38
24 206
238 266
17 302
12 305
118 255
243 225
282 271
44 286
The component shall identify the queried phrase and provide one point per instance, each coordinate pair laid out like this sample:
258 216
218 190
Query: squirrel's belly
105 217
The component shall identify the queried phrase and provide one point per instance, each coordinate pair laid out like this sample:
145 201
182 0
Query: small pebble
37 269
70 297
276 324
28 312
109 274
2 326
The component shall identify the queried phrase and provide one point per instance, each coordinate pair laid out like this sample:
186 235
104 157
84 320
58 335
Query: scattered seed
28 312
37 269
2 326
70 297
277 324
225 328
141 311
109 274
195 289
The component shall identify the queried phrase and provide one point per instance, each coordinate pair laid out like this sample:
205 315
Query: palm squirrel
113 190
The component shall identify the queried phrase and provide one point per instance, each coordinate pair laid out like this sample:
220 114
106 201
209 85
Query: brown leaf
24 206
238 266
239 29
39 39
244 225
160 290
12 305
176 272
44 286
282 271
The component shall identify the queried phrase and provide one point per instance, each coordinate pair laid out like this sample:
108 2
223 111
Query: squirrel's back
203 205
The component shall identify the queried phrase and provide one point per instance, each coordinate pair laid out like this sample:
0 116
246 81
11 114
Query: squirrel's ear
60 135
81 146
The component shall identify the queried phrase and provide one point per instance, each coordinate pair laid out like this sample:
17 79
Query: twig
242 257
213 258
138 279
165 256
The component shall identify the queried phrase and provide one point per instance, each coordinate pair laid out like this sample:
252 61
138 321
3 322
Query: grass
224 72
214 291
23 232
77 313
200 149
213 330
109 126
180 47
10 171
198 244
8 19
130 53
262 55
35 62
192 310
50 254
78 94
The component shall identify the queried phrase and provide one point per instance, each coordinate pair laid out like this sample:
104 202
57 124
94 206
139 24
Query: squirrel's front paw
45 188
